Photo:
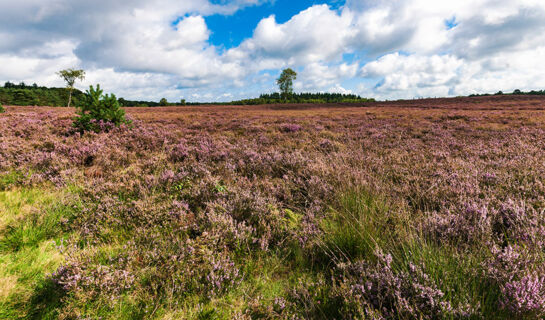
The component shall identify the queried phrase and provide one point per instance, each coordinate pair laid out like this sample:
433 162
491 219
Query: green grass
30 229
359 224
362 222
11 178
355 227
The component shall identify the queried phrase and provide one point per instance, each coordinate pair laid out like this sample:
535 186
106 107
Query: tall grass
362 224
30 229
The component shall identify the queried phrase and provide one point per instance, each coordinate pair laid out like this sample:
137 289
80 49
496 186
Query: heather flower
525 297
179 152
177 205
290 127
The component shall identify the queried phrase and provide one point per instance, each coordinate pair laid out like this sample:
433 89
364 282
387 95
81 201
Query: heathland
423 209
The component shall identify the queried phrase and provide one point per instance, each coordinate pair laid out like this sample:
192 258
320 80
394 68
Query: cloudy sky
217 50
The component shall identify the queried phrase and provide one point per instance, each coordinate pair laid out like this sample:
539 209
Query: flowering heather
428 209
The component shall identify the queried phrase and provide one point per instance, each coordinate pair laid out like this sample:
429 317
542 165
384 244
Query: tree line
33 95
304 97
515 92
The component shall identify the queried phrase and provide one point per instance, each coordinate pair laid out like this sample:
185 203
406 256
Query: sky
223 50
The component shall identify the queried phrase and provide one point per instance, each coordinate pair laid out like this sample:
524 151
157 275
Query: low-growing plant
101 112
2 109
224 213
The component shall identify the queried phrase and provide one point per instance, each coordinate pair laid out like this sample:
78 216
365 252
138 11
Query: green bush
100 112
2 109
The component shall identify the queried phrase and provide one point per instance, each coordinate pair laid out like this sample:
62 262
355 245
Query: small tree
70 76
163 102
100 112
182 102
285 82
2 109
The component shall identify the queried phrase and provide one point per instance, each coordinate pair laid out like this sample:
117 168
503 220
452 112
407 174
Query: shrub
99 112
2 109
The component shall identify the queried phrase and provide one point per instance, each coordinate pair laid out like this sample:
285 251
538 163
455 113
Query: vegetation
31 225
70 76
285 82
2 109
163 102
33 95
515 92
273 98
99 112
23 95
316 98
393 212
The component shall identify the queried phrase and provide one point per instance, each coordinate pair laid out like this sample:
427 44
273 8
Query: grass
30 229
11 178
363 223
358 225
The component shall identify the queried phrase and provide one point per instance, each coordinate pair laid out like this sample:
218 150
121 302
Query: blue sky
220 50
228 31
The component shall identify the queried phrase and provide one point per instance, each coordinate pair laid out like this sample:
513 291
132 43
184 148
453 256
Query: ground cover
426 209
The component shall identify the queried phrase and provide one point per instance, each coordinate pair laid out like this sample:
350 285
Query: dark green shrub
2 109
100 112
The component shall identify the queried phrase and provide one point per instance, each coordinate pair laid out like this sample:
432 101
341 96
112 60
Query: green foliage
317 98
24 95
30 228
163 102
70 76
362 223
356 228
516 92
285 82
100 112
10 179
2 109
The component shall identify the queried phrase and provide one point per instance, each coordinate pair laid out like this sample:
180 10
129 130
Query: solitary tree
163 102
285 82
70 76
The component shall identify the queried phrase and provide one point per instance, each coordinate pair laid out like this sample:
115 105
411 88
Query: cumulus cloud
398 48
487 46
314 35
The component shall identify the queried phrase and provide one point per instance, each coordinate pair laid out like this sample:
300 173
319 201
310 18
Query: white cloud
316 76
339 89
141 49
316 34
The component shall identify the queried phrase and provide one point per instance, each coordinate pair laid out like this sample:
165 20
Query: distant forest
516 92
274 98
33 95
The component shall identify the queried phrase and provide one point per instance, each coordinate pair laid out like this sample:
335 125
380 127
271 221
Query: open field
424 209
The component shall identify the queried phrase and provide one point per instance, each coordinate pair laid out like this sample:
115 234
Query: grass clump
31 226
379 263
